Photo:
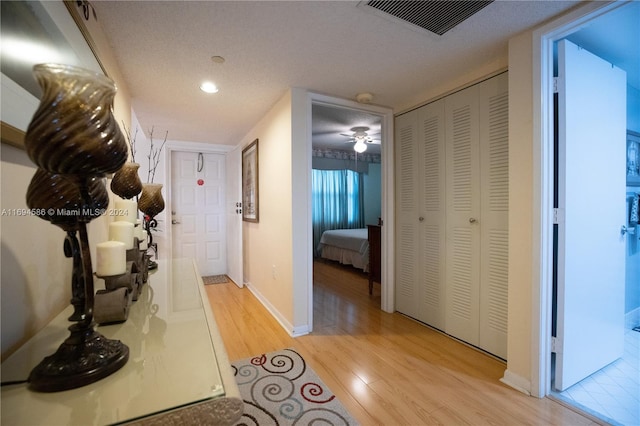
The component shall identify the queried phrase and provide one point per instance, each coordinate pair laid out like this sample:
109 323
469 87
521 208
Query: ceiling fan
361 138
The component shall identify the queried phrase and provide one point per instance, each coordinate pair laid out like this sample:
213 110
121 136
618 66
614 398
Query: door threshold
583 410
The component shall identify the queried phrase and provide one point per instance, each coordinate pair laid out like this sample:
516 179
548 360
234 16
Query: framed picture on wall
633 158
250 200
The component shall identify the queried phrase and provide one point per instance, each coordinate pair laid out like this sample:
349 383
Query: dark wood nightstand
375 247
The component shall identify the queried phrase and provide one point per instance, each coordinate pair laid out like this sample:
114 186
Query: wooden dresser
375 249
177 373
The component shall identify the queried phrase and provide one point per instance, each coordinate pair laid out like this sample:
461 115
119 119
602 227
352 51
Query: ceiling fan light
360 147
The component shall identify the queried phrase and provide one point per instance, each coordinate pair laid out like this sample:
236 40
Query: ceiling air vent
437 16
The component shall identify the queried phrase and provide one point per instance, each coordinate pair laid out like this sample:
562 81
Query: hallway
385 368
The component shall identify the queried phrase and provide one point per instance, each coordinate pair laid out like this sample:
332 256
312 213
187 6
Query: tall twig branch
132 142
154 156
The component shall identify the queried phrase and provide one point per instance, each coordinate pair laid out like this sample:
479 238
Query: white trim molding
388 208
286 325
517 382
543 40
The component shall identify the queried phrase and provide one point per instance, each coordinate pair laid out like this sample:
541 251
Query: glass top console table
177 373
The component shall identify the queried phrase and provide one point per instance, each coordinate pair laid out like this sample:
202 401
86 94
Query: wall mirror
35 32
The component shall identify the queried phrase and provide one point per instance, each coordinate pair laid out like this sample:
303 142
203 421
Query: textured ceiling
337 48
164 50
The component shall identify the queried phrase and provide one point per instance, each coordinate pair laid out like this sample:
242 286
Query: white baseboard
300 331
519 383
288 327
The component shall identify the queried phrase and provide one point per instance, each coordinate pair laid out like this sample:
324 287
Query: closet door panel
407 225
494 160
452 208
432 212
462 215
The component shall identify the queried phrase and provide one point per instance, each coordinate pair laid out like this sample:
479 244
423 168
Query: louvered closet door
420 216
407 224
463 219
494 165
432 211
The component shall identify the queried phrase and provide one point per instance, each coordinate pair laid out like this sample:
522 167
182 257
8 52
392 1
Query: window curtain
337 201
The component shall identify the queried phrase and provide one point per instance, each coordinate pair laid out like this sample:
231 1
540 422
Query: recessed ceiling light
209 87
364 98
217 59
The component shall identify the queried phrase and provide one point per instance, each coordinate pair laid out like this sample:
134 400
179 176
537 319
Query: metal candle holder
142 260
113 303
74 140
151 203
149 224
85 356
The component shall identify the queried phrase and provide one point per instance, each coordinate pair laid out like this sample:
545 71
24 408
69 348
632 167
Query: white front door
591 190
198 210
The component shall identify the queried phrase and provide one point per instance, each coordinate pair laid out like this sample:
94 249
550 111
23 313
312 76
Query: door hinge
555 345
558 216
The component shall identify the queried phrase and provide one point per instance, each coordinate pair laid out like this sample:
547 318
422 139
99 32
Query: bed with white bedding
347 246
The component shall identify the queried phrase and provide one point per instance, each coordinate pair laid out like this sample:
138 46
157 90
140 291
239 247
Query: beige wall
520 211
267 245
276 256
35 275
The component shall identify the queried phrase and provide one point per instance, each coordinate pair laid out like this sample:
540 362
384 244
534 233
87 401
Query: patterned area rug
279 388
215 279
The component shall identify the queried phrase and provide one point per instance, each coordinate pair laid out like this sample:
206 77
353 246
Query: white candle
126 210
111 258
122 231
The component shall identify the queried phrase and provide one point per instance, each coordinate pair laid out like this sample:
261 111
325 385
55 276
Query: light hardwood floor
385 368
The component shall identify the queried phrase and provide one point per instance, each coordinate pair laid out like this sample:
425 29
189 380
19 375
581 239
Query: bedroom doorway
347 185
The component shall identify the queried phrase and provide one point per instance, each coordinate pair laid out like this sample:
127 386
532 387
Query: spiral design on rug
272 388
287 363
278 388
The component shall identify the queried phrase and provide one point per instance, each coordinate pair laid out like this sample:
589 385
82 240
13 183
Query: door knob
421 219
472 220
174 222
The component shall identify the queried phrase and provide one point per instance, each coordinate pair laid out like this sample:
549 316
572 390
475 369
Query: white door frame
543 184
387 197
180 146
